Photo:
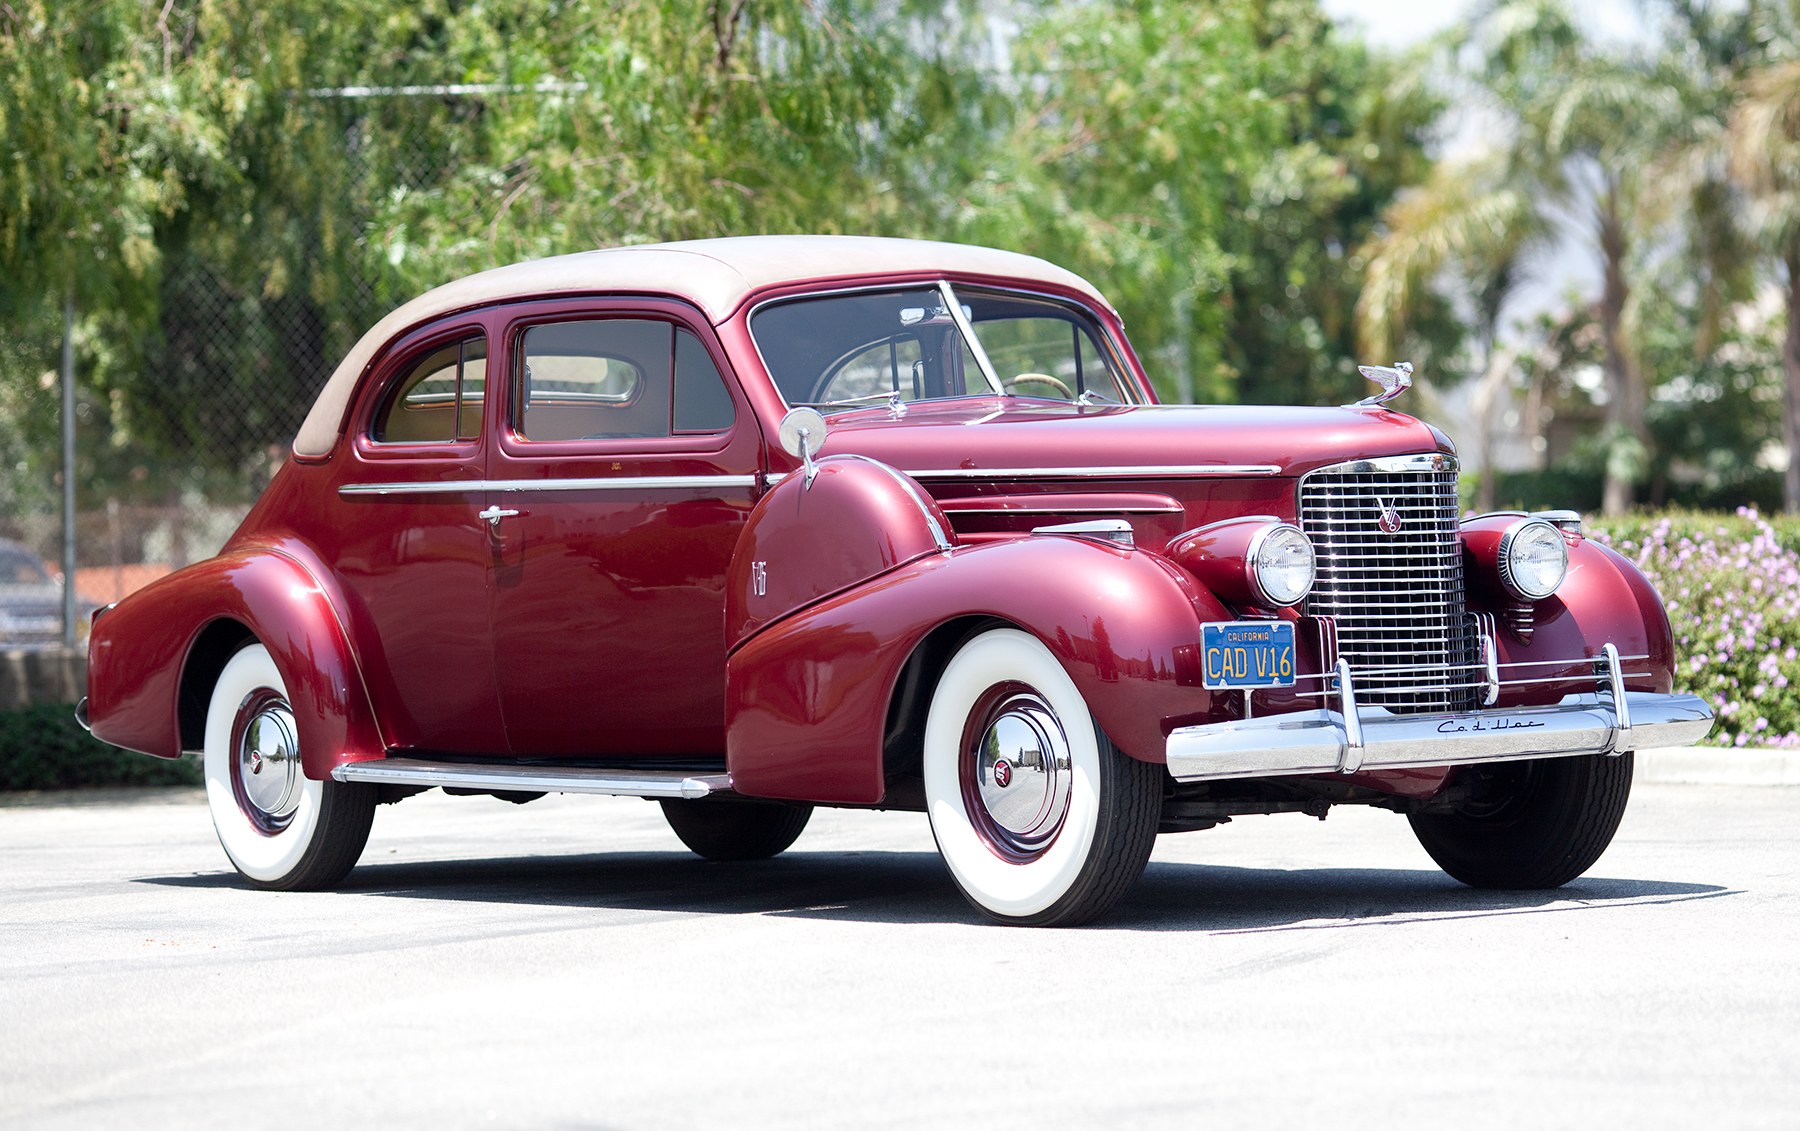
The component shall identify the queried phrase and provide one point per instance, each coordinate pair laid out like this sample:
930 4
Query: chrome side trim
1159 471
1113 531
454 487
522 486
1164 471
534 779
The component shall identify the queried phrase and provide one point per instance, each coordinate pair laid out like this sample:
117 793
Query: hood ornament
1393 379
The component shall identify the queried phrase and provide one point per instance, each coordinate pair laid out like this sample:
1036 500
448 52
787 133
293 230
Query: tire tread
1564 824
736 830
346 813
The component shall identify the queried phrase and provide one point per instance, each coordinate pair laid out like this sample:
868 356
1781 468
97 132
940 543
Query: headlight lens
1281 565
1533 559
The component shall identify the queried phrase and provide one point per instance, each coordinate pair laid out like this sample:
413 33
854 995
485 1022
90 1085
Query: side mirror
802 434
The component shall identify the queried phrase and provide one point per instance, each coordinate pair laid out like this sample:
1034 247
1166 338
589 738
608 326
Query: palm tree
1582 126
1477 222
1764 140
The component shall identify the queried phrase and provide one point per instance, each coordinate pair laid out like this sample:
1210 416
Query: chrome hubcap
266 762
1023 774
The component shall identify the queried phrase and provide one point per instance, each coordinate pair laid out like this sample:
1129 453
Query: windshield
851 350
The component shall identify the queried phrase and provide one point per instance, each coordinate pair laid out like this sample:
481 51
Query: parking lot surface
567 964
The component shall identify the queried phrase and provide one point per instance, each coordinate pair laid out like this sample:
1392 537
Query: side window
617 378
439 399
701 402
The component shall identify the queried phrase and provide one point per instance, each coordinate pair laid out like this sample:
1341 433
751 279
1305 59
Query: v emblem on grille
1389 520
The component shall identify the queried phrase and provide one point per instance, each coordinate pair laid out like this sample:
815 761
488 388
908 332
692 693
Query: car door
410 547
626 466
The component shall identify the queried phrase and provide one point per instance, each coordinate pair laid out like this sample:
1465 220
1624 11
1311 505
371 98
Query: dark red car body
699 607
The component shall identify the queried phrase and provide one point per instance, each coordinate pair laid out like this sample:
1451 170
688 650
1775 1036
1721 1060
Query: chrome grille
1395 598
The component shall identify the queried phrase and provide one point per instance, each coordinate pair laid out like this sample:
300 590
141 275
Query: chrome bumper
1348 739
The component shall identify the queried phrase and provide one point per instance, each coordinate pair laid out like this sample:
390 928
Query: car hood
1003 434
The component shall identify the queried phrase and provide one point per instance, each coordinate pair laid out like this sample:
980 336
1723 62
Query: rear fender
150 658
807 699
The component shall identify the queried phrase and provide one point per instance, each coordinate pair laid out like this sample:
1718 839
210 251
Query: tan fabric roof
715 275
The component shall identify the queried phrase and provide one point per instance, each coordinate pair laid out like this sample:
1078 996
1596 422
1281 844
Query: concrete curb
1718 765
50 675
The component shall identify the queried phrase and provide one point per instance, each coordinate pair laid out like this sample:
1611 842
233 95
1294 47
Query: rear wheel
1041 821
737 830
1535 824
280 829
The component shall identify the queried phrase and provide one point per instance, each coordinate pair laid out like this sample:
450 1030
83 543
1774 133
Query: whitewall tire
1040 820
280 828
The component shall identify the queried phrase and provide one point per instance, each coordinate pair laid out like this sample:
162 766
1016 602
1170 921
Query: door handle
493 515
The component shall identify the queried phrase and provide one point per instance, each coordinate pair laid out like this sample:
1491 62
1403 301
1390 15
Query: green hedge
1731 584
45 748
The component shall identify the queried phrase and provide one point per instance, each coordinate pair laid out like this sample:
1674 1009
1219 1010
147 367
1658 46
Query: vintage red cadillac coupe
753 525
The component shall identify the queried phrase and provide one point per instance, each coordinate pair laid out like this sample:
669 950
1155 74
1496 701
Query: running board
533 779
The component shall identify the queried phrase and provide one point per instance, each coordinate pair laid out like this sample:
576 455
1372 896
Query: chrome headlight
1533 559
1281 565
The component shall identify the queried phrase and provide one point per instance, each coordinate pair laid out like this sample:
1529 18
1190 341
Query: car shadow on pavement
913 887
1232 900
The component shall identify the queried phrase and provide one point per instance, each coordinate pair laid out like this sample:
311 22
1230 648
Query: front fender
1604 599
807 698
140 649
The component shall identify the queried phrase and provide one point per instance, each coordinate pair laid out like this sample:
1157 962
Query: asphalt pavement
565 964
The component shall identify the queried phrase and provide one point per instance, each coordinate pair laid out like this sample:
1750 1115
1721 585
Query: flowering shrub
1732 587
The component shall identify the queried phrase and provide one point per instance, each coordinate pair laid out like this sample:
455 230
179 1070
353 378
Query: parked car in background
31 600
754 525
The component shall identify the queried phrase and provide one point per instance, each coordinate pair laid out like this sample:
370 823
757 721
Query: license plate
1247 653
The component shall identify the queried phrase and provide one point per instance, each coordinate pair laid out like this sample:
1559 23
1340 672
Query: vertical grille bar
1391 579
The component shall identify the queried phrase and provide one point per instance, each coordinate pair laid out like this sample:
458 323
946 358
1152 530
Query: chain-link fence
187 401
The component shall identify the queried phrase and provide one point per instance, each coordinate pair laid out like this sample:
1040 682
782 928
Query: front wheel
1527 825
281 829
1041 821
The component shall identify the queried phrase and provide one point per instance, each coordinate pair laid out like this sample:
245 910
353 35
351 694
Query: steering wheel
1056 383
